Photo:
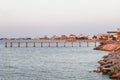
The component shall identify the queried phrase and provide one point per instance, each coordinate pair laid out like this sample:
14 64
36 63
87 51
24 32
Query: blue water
50 63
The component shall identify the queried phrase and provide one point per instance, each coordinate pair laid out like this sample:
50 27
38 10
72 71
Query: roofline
111 31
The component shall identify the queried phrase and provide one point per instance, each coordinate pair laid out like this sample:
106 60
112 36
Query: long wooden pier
48 43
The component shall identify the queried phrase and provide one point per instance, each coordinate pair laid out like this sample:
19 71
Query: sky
36 18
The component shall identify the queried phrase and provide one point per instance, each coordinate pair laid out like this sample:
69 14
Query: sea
50 63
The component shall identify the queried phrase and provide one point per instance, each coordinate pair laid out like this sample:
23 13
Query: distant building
115 35
72 37
37 38
80 36
46 37
63 37
90 37
102 37
55 37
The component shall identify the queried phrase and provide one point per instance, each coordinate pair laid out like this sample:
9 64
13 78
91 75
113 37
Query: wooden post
72 44
41 44
6 44
95 43
56 44
26 44
87 44
34 44
48 44
10 44
64 44
79 44
18 44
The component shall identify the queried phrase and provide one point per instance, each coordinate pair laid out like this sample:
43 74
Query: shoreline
110 64
108 45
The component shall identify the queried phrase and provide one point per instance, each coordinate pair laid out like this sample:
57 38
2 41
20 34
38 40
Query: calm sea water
50 63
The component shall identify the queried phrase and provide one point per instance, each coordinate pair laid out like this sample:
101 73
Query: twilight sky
36 18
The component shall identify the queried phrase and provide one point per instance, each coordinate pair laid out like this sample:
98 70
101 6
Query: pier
49 43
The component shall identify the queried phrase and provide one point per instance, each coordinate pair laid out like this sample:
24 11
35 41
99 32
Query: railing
10 43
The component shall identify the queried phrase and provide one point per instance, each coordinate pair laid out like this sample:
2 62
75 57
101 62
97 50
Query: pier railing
10 43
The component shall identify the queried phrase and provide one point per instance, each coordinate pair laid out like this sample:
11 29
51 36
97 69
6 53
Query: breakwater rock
108 45
110 64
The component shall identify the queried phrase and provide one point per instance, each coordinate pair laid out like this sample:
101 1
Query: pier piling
56 44
64 44
6 44
72 44
79 44
41 44
10 44
18 44
48 44
87 44
34 44
95 43
26 44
